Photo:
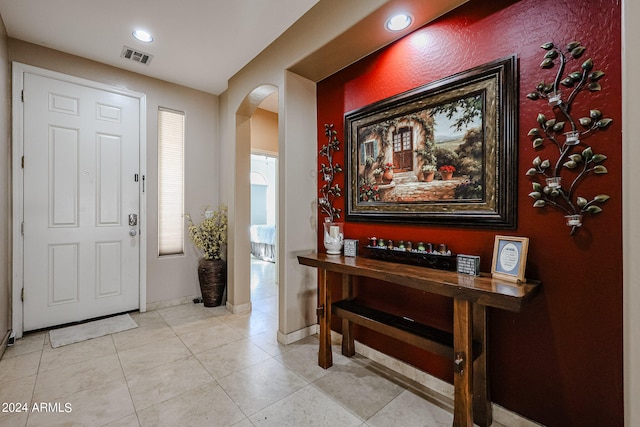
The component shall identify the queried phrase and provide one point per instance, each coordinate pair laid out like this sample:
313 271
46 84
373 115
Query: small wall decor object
575 160
333 235
329 191
350 247
469 264
510 258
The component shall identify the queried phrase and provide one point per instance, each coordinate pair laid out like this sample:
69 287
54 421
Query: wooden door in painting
403 149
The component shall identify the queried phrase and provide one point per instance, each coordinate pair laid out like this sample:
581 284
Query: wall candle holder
329 191
575 159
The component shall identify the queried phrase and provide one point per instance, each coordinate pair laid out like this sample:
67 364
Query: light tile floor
194 366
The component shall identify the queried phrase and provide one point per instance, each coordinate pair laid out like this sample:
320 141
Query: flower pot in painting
212 274
428 176
446 172
446 176
387 176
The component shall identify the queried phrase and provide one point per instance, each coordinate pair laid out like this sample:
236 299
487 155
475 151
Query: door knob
133 232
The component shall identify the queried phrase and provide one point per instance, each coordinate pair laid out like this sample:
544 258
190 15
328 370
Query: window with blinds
170 182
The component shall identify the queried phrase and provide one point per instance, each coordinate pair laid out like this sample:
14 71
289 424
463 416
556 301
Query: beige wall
297 157
631 197
168 278
264 132
5 197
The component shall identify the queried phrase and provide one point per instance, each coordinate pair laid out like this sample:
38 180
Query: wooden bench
466 346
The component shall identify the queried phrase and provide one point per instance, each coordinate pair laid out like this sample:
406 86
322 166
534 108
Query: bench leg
463 364
324 320
482 413
348 344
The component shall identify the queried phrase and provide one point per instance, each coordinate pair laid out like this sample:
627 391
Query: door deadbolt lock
133 219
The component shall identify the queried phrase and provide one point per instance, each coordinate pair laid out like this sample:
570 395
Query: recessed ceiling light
399 22
143 36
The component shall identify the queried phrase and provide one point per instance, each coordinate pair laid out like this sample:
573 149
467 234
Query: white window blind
171 182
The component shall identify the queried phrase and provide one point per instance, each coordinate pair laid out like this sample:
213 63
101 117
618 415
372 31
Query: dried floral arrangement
211 234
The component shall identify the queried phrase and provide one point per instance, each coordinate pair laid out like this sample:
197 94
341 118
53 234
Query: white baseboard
235 309
4 342
151 306
286 339
241 308
443 388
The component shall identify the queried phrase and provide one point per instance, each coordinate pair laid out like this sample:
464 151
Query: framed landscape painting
443 153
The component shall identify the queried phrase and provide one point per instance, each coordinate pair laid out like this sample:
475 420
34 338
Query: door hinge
22 162
22 95
22 295
22 228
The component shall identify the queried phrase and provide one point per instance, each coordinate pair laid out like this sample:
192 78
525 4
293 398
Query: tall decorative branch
573 154
329 190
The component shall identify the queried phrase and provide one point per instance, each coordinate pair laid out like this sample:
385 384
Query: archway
297 205
239 256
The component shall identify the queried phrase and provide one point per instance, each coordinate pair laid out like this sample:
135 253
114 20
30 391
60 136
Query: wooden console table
466 346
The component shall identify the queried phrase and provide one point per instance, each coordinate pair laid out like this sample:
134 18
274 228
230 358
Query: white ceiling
198 43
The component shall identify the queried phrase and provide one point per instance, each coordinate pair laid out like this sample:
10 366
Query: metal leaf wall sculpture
329 190
576 160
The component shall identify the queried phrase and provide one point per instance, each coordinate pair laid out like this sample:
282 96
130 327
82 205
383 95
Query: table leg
463 363
324 320
482 413
348 344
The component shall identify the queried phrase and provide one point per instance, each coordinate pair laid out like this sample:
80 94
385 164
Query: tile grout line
35 382
215 381
126 381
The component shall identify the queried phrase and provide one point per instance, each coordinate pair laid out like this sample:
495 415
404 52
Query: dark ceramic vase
212 274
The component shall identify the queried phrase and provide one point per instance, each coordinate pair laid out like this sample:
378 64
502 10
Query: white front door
81 185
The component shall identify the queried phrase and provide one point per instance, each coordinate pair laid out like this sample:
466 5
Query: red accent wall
559 362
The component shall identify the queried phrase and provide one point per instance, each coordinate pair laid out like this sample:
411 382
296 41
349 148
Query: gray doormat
95 329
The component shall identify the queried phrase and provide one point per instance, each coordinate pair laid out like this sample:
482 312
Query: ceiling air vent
135 55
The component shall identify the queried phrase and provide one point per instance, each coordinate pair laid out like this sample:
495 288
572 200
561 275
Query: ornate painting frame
444 153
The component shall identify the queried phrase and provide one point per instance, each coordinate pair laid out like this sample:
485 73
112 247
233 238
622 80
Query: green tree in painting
470 109
470 154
